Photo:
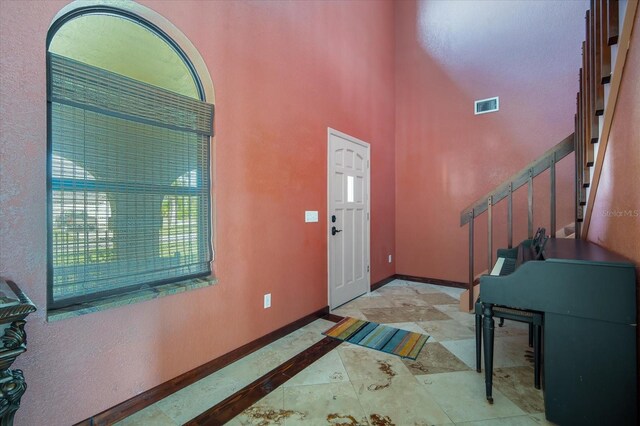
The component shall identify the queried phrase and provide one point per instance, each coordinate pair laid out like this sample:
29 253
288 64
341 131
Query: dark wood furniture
534 319
587 296
14 308
507 261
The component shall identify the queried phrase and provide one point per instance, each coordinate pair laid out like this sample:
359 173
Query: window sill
129 298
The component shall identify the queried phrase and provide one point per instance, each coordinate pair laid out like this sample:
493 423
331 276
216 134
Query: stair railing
607 23
525 176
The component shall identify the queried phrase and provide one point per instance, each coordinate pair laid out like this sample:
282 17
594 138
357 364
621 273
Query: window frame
58 23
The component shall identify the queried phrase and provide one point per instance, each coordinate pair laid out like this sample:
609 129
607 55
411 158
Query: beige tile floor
352 385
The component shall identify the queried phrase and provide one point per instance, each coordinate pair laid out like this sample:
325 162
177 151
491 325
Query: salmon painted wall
283 72
449 54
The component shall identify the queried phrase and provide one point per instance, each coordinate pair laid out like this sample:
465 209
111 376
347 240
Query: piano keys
587 296
503 266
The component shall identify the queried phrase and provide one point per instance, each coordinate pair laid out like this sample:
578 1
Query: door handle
334 231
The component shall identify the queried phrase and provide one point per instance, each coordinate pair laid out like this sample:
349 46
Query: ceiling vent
484 106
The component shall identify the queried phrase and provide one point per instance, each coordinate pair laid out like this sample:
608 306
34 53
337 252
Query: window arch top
119 44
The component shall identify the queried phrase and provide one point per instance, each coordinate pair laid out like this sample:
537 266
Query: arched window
128 130
80 218
180 216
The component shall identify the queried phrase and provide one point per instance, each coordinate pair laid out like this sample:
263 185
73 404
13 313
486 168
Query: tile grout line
235 404
435 401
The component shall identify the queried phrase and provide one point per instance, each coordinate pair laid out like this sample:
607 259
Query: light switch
310 216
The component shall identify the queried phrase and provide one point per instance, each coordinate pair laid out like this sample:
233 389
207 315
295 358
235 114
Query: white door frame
366 145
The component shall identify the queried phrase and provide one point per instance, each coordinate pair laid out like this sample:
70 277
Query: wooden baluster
586 153
584 135
597 56
605 58
585 93
581 131
593 119
510 216
586 179
578 174
552 167
585 81
530 204
578 228
580 139
471 295
587 157
612 34
490 232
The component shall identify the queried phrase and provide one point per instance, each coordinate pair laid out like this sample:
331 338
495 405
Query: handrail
546 161
542 163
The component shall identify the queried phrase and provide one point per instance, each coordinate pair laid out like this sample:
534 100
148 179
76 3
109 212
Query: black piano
587 298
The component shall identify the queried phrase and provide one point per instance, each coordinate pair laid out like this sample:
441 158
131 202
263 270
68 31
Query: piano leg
488 330
478 312
531 335
537 353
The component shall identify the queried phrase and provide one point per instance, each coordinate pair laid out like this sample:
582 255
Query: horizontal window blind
130 183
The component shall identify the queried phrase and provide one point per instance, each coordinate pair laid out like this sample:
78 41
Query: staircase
608 26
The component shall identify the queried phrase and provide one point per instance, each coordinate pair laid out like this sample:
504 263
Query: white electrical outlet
267 300
389 258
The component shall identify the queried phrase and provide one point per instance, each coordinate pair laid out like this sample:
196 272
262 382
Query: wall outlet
267 300
389 258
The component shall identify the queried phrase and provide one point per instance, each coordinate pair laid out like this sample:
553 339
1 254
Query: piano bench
534 319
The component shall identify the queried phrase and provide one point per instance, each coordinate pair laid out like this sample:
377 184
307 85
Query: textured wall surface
399 75
283 72
449 54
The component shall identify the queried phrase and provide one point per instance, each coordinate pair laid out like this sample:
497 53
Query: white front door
348 218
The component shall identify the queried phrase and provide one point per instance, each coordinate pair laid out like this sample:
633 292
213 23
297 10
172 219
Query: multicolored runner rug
406 344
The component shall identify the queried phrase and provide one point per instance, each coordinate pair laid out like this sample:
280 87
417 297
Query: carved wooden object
14 308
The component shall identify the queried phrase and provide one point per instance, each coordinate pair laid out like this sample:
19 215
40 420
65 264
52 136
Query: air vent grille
484 106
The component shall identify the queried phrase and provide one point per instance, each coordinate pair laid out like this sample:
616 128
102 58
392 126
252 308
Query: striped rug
405 344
